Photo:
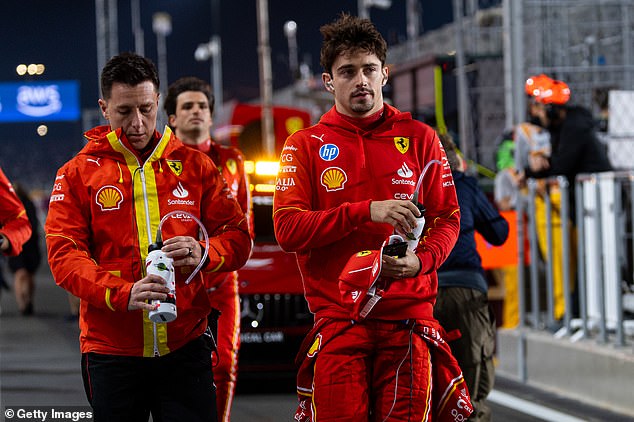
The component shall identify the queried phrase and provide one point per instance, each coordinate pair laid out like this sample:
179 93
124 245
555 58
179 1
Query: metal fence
586 43
586 266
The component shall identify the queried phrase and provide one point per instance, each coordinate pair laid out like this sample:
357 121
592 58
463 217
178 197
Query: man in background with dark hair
189 106
462 302
106 207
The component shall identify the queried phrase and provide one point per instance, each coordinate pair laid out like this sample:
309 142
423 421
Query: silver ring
190 252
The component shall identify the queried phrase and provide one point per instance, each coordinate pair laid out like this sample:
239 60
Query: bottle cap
155 246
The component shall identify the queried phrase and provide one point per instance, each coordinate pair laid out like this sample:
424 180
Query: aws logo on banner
39 101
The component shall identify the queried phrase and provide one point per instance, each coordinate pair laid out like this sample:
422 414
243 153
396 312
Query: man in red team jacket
107 205
15 228
345 185
189 106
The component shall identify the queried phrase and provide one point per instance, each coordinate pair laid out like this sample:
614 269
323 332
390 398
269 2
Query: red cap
359 274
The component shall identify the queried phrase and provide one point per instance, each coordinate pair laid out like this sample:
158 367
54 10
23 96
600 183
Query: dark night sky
61 34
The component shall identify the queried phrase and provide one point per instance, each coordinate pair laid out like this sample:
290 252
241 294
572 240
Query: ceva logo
39 101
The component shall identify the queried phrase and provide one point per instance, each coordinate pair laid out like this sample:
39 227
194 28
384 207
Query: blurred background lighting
267 168
42 130
31 69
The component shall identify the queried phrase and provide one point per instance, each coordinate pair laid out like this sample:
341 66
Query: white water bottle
159 264
414 237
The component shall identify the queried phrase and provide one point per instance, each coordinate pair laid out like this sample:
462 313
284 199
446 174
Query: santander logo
180 191
405 171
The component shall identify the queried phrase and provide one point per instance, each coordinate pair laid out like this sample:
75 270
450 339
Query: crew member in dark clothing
576 148
462 301
26 263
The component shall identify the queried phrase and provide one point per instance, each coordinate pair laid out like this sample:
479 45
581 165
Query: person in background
349 183
506 190
462 303
106 208
524 140
576 149
189 106
15 228
24 265
507 179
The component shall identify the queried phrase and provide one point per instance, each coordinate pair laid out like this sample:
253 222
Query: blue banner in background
39 101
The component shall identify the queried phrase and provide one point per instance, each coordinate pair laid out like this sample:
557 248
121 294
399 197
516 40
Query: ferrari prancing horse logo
176 166
401 144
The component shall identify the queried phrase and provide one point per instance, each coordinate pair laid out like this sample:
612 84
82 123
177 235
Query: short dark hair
350 34
130 69
451 150
181 85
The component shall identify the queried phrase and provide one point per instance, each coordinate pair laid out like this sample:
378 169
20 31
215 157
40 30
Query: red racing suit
329 174
224 293
14 224
105 209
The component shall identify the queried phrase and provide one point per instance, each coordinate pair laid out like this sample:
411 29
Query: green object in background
504 157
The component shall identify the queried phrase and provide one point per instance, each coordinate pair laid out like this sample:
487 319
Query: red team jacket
329 173
14 223
230 162
104 211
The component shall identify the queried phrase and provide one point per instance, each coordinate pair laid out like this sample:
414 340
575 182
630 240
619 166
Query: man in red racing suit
189 106
105 210
15 228
345 185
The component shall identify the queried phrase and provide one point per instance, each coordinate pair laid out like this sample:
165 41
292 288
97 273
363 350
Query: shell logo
334 179
109 198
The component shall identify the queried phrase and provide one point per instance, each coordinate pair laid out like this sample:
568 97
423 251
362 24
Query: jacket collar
103 141
392 115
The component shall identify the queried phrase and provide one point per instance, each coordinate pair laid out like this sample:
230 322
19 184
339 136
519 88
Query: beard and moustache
365 105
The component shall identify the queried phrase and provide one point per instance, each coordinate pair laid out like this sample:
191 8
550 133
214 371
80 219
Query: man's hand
399 214
184 250
150 287
405 267
538 162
